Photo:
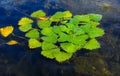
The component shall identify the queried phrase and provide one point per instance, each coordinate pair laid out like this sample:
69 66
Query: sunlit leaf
95 17
56 29
12 42
38 14
67 14
63 37
50 39
44 24
62 56
57 16
6 31
50 53
48 46
34 33
82 18
92 44
24 21
95 32
68 47
33 43
25 28
47 31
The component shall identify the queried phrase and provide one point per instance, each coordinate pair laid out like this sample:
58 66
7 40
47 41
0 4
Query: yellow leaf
24 21
12 42
6 31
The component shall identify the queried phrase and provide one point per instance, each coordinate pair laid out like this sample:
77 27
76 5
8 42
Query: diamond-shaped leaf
68 47
62 56
92 44
33 43
24 21
25 28
47 31
38 14
34 33
44 24
95 17
50 53
57 16
50 39
48 46
67 14
95 32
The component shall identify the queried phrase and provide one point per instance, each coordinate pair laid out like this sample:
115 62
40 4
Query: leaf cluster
61 34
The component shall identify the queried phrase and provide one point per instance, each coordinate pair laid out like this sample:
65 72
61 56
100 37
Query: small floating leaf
95 32
82 18
68 47
48 46
67 14
38 14
33 43
44 24
34 33
50 39
57 16
95 17
12 42
47 31
25 28
50 53
25 21
6 31
92 44
62 56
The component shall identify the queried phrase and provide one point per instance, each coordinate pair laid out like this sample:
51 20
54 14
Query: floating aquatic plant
62 34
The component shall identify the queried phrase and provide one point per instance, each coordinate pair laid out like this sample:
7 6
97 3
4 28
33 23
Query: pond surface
19 60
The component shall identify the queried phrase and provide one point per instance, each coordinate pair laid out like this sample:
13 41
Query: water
18 61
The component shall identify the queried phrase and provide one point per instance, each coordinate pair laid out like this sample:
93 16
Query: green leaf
95 17
79 31
25 28
82 18
64 29
33 43
92 44
95 32
44 24
67 14
94 24
32 33
56 29
63 37
62 56
38 14
74 21
68 47
50 39
57 16
24 21
47 31
85 27
48 46
79 40
50 53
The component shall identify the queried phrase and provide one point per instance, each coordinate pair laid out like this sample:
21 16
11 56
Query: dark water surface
19 60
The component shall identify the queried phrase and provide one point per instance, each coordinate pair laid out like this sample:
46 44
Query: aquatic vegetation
61 35
6 31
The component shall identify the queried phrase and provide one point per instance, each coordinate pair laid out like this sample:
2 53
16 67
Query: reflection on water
19 60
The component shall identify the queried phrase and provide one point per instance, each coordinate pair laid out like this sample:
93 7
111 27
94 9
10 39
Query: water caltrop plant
62 34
